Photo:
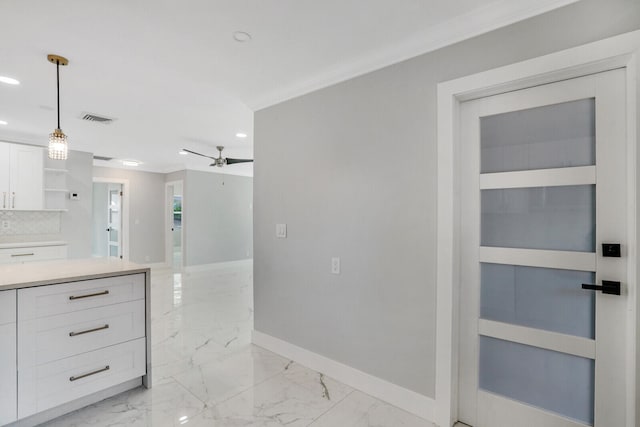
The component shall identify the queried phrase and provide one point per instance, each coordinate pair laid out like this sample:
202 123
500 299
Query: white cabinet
32 253
62 381
78 338
5 174
8 369
21 177
26 180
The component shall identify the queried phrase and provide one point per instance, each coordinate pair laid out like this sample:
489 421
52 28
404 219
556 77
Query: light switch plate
6 225
335 265
281 231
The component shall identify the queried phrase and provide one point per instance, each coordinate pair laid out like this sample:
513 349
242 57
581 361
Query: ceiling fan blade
198 154
232 161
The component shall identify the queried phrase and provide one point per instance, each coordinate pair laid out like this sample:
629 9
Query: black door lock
608 287
611 250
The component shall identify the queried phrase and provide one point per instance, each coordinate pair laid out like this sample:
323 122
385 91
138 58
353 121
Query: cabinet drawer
51 338
36 253
7 307
8 373
55 383
43 301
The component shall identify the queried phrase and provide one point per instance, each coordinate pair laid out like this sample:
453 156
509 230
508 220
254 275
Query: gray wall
75 224
146 212
352 170
217 217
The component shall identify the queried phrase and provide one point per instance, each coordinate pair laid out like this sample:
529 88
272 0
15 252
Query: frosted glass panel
554 136
541 298
554 218
553 381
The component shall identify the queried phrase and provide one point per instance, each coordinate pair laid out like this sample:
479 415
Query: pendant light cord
58 87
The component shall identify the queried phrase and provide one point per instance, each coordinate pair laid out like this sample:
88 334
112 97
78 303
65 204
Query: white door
114 218
174 222
544 187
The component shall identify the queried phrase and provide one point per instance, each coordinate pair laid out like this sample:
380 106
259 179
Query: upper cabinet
21 177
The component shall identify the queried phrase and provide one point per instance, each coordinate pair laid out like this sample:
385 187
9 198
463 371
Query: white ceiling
172 76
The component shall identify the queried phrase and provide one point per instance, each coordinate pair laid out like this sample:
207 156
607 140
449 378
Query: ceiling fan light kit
58 146
219 161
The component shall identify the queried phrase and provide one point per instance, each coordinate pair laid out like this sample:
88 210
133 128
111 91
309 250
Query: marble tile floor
206 372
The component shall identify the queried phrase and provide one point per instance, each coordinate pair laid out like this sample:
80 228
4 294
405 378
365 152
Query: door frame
125 210
621 51
168 241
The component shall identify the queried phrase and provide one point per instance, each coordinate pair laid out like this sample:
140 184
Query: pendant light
58 147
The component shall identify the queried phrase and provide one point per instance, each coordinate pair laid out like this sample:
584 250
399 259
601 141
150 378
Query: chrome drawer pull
29 254
79 377
89 296
73 334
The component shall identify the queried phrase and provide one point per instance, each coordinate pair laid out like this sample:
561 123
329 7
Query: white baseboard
396 395
218 265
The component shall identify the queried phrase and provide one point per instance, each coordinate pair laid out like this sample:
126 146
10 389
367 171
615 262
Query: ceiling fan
220 161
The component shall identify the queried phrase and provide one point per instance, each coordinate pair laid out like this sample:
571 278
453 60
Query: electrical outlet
335 265
6 225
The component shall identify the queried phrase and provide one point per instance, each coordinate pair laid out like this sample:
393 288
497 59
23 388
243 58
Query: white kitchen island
72 332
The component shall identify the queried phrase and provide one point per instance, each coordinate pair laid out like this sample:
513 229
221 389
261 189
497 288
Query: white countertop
14 276
32 244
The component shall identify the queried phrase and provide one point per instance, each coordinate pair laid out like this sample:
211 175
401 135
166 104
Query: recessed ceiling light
130 163
3 123
241 135
241 36
182 152
9 80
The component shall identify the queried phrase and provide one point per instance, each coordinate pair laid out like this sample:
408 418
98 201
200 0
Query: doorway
543 301
109 219
174 224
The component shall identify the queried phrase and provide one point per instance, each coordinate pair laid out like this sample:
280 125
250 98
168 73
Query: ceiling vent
96 118
103 158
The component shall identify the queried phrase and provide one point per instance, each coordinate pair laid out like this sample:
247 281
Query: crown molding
479 21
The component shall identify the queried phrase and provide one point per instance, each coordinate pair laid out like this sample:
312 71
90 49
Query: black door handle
108 229
608 287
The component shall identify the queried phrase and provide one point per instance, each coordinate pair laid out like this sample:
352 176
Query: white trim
218 265
581 175
615 52
403 398
125 210
474 23
565 260
563 343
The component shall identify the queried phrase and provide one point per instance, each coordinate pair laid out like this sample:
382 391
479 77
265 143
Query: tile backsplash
28 223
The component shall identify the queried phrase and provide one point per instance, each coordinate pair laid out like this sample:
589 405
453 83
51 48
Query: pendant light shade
58 147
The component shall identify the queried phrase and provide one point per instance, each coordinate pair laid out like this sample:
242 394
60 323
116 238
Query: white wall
351 169
217 218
